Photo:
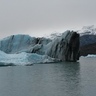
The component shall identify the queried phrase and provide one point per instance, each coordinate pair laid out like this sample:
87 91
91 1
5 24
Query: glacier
26 50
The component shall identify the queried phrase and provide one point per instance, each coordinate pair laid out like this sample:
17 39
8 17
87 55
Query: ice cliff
19 47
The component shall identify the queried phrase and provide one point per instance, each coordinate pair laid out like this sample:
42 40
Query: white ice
90 56
24 58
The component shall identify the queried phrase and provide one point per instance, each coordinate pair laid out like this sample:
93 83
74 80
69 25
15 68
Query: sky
43 17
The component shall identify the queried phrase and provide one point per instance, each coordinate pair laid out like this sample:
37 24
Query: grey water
53 79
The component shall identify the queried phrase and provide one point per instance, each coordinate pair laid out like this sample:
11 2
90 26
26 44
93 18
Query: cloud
19 16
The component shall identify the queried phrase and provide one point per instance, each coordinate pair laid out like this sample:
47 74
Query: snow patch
88 30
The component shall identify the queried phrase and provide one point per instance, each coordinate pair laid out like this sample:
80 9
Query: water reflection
72 78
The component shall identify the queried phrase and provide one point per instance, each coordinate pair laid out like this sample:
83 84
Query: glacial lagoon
52 79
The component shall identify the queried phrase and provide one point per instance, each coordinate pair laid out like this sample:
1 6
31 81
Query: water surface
54 79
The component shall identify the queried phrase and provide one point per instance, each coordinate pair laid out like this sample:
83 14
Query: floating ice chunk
91 55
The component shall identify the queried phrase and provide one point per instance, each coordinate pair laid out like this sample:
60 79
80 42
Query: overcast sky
41 17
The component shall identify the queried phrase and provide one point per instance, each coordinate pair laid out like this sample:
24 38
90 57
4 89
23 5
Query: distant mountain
54 35
88 40
88 49
88 30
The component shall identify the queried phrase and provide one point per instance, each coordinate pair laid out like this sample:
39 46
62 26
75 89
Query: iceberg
26 50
